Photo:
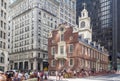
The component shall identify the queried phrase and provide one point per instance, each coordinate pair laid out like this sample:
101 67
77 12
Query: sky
12 0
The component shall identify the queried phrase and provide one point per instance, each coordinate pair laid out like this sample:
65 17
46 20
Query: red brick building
67 51
72 48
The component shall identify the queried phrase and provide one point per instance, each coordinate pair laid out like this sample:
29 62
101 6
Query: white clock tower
85 30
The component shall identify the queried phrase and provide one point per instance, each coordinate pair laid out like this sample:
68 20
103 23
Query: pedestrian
56 73
38 75
2 76
74 73
59 74
41 75
20 75
26 75
15 78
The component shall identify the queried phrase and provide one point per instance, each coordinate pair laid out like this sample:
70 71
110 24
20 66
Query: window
1 13
4 25
4 35
5 5
61 49
62 37
53 51
38 54
53 63
1 34
83 49
62 62
2 58
31 66
1 2
51 24
1 23
71 62
44 55
15 65
4 44
71 48
25 65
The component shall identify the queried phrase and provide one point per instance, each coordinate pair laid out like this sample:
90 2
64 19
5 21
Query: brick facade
81 54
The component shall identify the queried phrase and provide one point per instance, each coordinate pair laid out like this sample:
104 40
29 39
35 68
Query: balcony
60 56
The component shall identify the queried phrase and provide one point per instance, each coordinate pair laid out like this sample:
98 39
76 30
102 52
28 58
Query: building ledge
57 56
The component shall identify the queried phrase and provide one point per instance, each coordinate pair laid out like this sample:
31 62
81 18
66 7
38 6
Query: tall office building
31 20
30 23
105 18
3 35
67 12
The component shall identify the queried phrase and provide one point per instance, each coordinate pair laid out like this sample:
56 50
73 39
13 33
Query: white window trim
52 50
73 62
52 63
69 48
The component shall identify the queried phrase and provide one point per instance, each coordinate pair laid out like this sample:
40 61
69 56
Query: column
18 65
41 65
23 65
29 66
35 64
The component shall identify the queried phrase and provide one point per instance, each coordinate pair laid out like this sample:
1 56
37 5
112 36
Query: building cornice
94 48
55 2
81 30
28 51
15 3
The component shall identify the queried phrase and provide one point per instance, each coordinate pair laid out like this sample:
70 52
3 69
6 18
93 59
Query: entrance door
39 67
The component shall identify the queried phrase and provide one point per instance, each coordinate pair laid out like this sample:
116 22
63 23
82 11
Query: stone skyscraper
3 35
31 21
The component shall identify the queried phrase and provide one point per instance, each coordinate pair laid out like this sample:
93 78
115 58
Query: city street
111 77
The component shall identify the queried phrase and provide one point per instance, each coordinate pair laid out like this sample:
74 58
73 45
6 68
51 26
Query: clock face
82 24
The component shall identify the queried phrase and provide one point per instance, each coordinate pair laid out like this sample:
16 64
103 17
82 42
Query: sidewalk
53 78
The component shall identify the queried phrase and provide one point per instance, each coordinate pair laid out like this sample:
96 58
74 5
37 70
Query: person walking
26 75
59 74
20 75
2 76
41 75
56 74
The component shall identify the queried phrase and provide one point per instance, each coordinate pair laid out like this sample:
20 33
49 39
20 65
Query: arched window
83 14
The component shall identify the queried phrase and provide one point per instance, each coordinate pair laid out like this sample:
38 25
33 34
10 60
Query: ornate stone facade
3 35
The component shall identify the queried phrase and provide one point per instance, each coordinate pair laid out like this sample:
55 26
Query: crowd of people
70 74
79 74
43 75
22 75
